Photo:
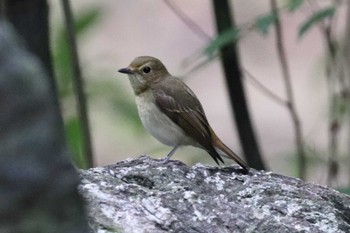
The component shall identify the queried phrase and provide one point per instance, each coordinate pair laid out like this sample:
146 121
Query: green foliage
86 20
340 107
313 159
316 18
115 94
264 23
293 5
74 138
225 38
64 81
345 190
61 53
103 89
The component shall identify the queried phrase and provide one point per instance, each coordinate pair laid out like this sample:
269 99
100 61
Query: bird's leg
171 153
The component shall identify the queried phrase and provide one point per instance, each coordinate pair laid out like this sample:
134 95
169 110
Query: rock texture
143 195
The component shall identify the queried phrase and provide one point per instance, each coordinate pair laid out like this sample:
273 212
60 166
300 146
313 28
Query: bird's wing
183 108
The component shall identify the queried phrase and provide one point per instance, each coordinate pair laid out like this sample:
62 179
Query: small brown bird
171 112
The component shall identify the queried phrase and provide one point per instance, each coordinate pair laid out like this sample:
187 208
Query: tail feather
218 144
215 155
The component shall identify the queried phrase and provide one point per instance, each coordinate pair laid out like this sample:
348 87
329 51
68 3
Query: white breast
158 124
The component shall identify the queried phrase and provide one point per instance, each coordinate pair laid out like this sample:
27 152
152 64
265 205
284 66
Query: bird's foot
167 158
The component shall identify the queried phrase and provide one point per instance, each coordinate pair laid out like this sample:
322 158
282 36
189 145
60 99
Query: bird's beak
126 71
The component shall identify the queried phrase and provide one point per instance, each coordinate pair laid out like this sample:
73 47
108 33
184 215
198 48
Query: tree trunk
31 21
233 76
38 183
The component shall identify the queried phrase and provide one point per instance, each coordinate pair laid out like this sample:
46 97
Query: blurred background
111 33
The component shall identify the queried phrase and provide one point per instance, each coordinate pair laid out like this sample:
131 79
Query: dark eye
146 69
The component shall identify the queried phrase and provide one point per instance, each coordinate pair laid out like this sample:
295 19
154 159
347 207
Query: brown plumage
173 114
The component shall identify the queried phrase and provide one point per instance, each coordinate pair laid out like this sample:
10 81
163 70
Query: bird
171 112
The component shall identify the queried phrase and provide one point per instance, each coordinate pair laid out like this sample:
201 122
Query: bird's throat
138 85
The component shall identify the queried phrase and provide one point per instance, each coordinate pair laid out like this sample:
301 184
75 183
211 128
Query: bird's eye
146 69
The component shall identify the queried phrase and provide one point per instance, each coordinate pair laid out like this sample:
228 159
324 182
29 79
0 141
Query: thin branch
195 28
187 20
337 73
314 5
78 82
200 65
267 92
233 74
334 74
335 80
347 66
290 94
249 77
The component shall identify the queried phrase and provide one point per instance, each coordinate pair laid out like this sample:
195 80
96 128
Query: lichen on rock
144 195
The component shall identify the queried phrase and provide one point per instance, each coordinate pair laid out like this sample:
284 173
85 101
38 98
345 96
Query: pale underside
158 124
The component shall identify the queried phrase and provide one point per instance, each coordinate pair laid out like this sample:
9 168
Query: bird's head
145 71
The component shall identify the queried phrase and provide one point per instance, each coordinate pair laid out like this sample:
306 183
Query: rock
144 195
37 179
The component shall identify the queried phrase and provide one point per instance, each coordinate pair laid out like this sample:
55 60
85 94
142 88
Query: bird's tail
227 152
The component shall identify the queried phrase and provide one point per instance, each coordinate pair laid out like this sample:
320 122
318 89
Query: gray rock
37 179
143 195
